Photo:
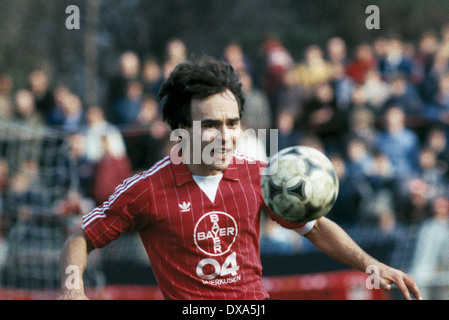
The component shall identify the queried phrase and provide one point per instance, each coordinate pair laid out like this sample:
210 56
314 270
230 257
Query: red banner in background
340 285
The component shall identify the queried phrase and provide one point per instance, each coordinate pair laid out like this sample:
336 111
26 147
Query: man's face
217 118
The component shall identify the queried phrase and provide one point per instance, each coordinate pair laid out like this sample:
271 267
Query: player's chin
221 163
219 166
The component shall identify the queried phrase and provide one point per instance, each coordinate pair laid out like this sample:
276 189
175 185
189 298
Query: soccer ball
299 184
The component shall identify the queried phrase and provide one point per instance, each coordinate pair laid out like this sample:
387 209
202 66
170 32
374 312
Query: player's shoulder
142 178
245 162
160 166
241 157
137 184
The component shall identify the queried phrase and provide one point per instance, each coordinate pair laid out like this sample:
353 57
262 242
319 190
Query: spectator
4 247
360 161
56 116
437 141
343 87
4 175
25 192
98 127
39 86
84 168
151 77
4 180
175 53
291 97
6 103
362 126
74 115
337 51
346 210
359 101
423 60
438 69
430 262
145 141
438 110
277 60
321 114
128 70
111 170
415 202
373 185
382 205
444 47
364 61
433 173
315 70
404 95
442 96
25 109
149 117
257 106
234 55
128 107
395 62
288 134
399 144
379 46
376 91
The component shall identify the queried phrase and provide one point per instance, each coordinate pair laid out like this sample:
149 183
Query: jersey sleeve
301 228
124 211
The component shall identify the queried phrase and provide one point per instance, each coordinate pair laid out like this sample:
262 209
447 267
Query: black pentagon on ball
311 166
311 211
291 151
273 189
298 190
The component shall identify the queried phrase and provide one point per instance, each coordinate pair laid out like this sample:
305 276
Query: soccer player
198 210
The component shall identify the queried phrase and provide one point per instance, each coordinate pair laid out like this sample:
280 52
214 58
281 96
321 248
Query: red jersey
198 249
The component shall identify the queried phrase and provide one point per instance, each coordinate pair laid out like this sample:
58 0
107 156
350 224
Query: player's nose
226 135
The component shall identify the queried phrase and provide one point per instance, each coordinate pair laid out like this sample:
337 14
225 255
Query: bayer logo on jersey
303 186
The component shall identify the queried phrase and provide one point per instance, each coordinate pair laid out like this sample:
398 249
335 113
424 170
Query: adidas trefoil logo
185 206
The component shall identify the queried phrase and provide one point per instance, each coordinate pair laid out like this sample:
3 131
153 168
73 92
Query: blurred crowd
379 110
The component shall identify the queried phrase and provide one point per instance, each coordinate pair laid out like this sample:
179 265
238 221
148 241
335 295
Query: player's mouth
221 154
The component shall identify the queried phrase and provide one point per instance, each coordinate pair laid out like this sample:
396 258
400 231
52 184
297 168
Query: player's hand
405 283
72 295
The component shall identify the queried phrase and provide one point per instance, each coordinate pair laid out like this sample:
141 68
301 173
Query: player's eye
233 123
208 125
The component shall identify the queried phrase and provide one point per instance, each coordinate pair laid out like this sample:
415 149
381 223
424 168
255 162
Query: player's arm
332 240
73 263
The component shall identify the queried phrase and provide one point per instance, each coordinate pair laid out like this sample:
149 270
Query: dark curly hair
198 79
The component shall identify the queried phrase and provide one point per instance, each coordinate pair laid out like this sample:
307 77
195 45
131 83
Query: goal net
37 174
